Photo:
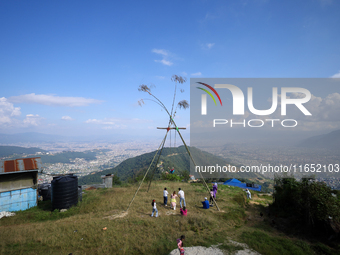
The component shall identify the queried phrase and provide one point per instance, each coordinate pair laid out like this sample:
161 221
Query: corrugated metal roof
17 165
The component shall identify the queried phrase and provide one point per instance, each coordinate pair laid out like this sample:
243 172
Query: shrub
310 201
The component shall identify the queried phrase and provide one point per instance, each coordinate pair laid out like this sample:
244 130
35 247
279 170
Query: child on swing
172 170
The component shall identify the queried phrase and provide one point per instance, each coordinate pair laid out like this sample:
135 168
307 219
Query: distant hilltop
328 141
6 151
176 158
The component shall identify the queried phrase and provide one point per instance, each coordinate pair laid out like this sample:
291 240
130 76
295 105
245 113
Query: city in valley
106 155
99 156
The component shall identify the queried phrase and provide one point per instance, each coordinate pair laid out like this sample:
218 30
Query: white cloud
164 62
325 112
196 74
66 118
7 111
32 120
160 51
337 75
111 123
207 46
160 77
53 100
210 45
184 73
165 55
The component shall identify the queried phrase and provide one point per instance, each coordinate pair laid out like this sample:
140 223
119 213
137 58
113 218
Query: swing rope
168 129
157 160
147 171
206 186
186 147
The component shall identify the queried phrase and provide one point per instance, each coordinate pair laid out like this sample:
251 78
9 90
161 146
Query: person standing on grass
215 190
248 194
154 208
180 244
181 197
165 195
211 196
183 211
173 200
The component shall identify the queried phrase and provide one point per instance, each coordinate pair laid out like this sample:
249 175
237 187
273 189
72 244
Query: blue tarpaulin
236 183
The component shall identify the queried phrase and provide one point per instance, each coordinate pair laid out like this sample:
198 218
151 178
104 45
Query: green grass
80 229
269 245
276 245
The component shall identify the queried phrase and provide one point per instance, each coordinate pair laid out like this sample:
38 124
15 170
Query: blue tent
236 183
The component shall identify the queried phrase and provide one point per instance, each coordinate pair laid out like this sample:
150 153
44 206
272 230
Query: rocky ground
215 250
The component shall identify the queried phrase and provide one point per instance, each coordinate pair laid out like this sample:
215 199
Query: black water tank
64 191
45 191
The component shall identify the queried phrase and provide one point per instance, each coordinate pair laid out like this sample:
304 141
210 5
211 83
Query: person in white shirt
165 195
248 193
181 197
154 208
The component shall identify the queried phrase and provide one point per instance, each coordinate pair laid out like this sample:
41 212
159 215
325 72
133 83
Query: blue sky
74 67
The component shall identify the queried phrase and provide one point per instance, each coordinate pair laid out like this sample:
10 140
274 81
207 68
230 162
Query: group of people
183 210
173 202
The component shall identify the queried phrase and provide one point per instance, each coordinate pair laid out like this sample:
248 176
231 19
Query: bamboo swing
171 126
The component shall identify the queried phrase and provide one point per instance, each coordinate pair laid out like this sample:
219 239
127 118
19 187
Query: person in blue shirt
205 203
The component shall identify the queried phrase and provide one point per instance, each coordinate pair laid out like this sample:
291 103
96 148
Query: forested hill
6 151
170 157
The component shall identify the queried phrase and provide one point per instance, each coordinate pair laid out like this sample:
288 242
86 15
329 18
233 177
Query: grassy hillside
6 151
171 157
80 229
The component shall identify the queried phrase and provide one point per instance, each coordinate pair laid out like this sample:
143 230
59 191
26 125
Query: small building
107 180
19 183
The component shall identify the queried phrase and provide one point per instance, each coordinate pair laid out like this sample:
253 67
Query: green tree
185 175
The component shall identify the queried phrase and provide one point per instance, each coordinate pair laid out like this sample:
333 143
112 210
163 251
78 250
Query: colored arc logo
208 92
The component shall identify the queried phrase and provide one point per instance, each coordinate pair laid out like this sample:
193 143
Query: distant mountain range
329 141
177 158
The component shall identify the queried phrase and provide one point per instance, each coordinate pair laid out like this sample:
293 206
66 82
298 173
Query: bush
171 177
310 201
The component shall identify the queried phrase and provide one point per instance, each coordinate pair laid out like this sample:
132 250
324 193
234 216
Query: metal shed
19 183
